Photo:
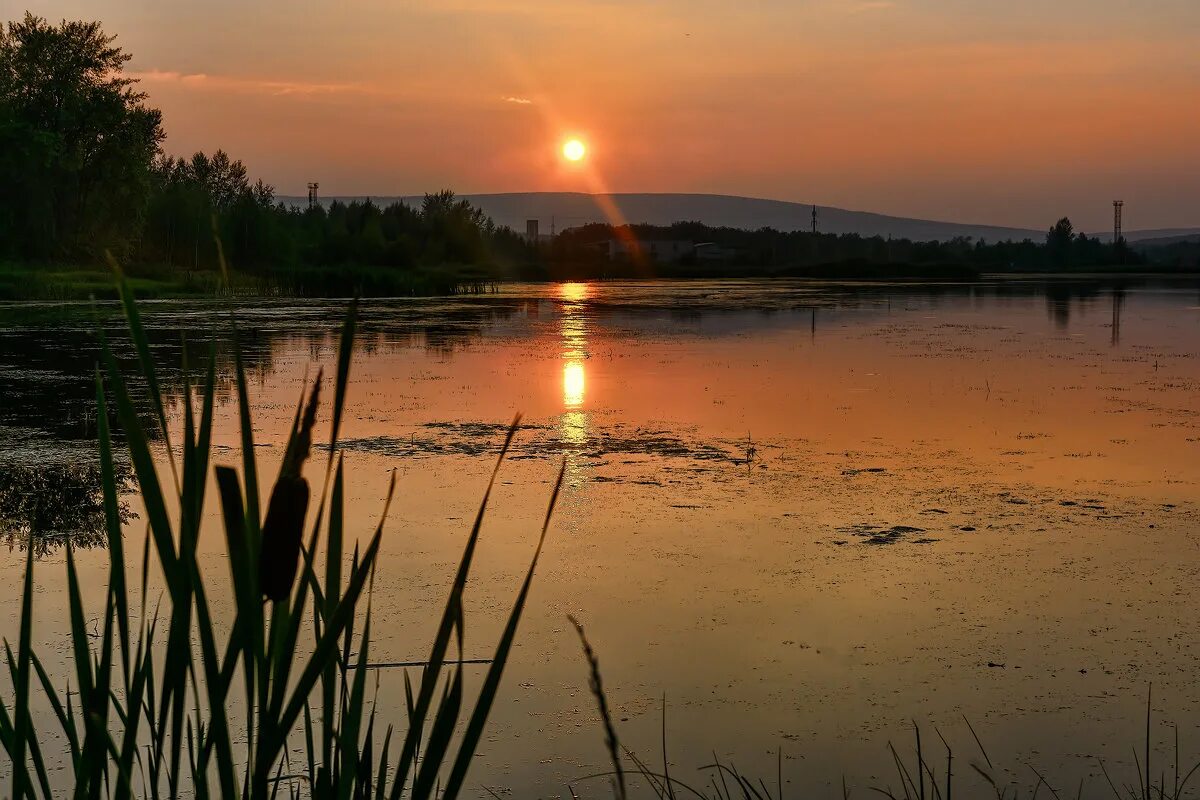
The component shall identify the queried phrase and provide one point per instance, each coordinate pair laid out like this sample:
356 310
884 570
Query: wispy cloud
200 80
521 101
872 5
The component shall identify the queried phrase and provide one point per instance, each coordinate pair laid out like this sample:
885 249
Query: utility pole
814 220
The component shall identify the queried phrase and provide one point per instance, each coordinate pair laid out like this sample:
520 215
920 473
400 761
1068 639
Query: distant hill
561 210
1162 238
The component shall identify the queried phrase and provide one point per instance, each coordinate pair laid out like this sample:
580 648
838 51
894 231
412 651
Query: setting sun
573 150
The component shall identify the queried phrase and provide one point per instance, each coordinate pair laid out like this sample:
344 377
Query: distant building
669 251
531 230
711 251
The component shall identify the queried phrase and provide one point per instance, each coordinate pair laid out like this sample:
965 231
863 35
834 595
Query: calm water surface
807 514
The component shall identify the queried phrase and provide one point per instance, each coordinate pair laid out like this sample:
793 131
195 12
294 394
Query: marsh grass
64 282
164 701
925 777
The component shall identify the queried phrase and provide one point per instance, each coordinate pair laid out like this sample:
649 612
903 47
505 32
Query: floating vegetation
546 442
879 535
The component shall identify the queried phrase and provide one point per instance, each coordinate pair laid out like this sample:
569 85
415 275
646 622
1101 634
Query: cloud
872 5
521 101
200 80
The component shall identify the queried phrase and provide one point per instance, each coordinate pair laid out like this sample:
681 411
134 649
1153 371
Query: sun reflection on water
573 384
573 427
573 329
572 292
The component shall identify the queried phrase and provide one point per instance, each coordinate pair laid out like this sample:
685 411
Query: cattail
284 526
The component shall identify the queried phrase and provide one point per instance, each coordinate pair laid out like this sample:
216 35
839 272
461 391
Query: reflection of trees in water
48 355
1061 295
43 505
48 373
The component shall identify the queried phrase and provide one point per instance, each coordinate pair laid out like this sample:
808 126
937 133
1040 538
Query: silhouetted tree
1059 242
76 140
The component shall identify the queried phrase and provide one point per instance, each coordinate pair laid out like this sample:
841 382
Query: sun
573 150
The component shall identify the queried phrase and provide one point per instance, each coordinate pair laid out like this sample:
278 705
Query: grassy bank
76 282
73 282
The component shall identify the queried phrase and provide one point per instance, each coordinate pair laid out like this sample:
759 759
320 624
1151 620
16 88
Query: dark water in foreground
808 514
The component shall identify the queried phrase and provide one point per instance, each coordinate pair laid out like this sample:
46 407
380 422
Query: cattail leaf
451 612
491 683
112 523
444 722
21 726
345 351
141 344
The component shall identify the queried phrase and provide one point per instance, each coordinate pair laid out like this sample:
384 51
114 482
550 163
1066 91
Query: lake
806 514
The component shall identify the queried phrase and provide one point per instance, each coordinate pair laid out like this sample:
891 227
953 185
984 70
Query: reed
167 702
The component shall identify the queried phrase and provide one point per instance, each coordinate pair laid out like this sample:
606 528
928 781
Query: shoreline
20 283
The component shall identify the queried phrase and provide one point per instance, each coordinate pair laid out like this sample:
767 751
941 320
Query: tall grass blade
141 344
249 467
112 527
22 725
491 684
596 684
452 611
345 351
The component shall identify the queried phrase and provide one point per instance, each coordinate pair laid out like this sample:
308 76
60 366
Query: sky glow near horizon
1010 113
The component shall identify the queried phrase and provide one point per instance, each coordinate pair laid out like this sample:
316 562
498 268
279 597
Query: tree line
84 174
782 250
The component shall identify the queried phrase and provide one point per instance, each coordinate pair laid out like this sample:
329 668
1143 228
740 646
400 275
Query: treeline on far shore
87 181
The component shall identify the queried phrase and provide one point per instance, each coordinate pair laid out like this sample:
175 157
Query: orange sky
1010 112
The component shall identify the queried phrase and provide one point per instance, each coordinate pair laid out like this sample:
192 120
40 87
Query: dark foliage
768 252
76 141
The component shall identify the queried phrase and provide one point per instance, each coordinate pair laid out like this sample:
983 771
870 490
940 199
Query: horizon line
818 206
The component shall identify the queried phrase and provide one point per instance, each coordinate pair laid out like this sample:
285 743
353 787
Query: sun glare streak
585 170
574 422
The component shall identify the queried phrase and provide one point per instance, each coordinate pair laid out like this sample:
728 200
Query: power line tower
312 194
1118 211
814 220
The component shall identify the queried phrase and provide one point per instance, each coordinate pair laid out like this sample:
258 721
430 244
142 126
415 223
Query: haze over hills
1160 238
560 210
